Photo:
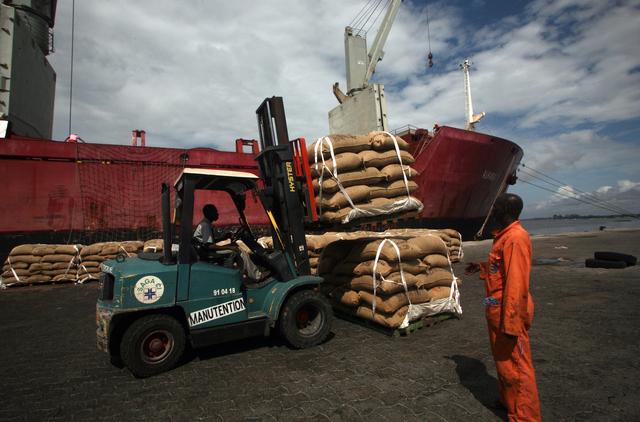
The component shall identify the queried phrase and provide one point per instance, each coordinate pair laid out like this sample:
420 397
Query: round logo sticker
148 289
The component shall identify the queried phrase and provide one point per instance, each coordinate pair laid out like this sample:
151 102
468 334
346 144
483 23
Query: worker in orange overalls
509 310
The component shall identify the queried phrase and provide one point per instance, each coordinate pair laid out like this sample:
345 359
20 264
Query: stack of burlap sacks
356 176
373 280
41 263
316 243
91 256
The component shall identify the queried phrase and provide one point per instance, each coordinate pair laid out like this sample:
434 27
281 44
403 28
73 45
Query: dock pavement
585 344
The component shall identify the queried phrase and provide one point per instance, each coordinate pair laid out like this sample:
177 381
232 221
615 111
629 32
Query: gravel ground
585 341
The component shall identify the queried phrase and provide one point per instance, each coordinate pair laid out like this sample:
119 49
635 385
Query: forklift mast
287 195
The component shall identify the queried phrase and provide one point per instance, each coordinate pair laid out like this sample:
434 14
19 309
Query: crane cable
365 14
572 191
73 26
375 20
569 194
588 199
430 55
368 18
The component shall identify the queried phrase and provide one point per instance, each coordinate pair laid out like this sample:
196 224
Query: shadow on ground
474 377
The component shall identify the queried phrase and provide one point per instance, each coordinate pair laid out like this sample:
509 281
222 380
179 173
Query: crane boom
363 108
376 53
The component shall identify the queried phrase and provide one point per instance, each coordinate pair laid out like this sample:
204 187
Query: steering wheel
236 234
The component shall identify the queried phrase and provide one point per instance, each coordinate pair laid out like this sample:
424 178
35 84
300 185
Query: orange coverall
509 311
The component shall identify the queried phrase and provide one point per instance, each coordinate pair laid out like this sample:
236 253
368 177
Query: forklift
153 306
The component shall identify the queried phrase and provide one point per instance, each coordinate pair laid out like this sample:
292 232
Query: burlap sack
391 304
341 143
44 250
366 268
88 270
368 176
12 280
110 248
58 258
19 272
455 242
427 245
67 249
97 258
93 249
15 266
131 246
393 172
440 292
88 264
345 162
436 277
383 159
381 141
153 245
394 189
313 262
38 278
451 233
61 265
363 251
65 277
41 266
338 200
436 261
54 273
412 266
345 297
316 242
24 249
389 321
391 284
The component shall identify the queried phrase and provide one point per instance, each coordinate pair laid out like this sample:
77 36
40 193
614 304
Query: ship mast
470 118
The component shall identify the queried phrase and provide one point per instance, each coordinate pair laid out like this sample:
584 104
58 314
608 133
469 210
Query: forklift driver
204 233
204 239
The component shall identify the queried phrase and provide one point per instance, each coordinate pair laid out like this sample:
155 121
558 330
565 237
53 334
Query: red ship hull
460 174
58 192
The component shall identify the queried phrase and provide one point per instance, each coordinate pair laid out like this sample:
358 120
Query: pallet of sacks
91 256
390 281
360 176
316 243
39 263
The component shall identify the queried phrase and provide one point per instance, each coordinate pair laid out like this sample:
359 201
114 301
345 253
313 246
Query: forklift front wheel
152 344
305 319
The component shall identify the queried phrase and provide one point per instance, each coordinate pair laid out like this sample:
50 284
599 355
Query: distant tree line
574 216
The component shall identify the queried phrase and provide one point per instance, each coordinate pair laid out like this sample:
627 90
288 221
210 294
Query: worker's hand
471 268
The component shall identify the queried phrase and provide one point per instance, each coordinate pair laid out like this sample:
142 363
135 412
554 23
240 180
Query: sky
560 78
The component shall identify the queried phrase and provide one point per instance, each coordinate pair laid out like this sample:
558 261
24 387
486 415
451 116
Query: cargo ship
80 192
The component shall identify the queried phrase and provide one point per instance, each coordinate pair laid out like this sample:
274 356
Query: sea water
570 225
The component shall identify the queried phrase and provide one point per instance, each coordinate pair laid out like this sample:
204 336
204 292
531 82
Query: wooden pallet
394 332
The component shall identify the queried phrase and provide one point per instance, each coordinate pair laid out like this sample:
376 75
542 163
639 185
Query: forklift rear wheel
305 319
152 344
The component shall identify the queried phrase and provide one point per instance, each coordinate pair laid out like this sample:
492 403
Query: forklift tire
305 319
152 344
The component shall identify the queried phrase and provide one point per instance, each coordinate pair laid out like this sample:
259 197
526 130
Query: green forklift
152 307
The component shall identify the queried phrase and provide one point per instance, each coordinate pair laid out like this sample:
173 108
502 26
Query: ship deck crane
363 108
